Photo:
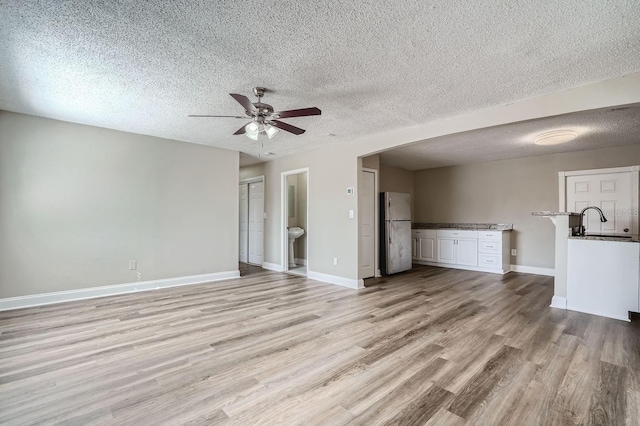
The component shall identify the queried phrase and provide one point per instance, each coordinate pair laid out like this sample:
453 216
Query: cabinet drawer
490 235
455 233
485 246
489 261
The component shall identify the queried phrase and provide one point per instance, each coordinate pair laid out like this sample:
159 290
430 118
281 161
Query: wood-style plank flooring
431 346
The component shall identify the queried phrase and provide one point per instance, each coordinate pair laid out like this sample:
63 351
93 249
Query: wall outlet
335 261
351 214
513 252
133 265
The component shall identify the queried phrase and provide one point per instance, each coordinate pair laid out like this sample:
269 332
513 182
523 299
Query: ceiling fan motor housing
262 109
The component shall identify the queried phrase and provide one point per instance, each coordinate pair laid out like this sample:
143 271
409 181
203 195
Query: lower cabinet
476 250
457 247
423 245
494 248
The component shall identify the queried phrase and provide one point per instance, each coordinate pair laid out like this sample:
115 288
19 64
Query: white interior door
244 222
256 222
367 225
611 192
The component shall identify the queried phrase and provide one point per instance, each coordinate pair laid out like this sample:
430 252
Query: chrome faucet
581 228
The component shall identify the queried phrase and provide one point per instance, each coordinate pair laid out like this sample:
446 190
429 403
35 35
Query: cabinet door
414 248
427 248
467 252
446 250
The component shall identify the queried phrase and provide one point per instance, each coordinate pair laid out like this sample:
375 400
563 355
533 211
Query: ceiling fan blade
241 130
244 101
225 116
286 127
303 112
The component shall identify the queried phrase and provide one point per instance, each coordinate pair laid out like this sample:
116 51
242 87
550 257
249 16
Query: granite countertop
465 226
545 213
600 238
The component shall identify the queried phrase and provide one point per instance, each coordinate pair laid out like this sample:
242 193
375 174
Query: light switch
351 214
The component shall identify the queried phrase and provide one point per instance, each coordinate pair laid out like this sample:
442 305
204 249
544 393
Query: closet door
244 223
256 222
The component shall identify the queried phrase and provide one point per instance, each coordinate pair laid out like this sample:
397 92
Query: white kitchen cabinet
494 249
467 251
423 245
414 245
457 247
603 277
486 251
446 250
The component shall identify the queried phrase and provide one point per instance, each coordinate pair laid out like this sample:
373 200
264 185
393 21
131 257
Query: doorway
614 191
295 221
368 218
251 235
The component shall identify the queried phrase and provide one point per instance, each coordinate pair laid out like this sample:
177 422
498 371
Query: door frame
247 181
376 222
635 187
284 237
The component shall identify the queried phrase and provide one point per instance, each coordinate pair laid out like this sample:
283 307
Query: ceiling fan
264 118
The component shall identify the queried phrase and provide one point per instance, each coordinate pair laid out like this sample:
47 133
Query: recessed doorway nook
295 221
251 233
368 224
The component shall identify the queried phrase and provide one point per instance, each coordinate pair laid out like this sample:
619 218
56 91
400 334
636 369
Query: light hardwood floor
432 346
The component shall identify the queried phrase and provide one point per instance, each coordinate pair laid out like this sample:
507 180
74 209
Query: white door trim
284 237
252 179
562 181
376 220
635 187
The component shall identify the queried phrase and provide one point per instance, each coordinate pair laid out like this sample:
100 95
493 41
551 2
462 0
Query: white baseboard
301 261
550 272
334 279
558 302
272 266
110 290
599 313
464 267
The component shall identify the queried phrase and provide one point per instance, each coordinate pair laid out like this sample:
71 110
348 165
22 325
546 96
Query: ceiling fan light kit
264 119
253 130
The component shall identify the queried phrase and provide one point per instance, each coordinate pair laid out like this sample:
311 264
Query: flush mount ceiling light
555 137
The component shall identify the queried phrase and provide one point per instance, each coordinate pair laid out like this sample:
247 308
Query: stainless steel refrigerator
395 228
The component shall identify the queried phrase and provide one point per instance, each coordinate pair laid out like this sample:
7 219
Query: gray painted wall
77 203
507 192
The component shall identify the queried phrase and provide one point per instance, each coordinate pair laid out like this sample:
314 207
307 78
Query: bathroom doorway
295 221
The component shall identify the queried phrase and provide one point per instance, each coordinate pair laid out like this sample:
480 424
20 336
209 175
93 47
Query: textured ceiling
596 129
368 65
